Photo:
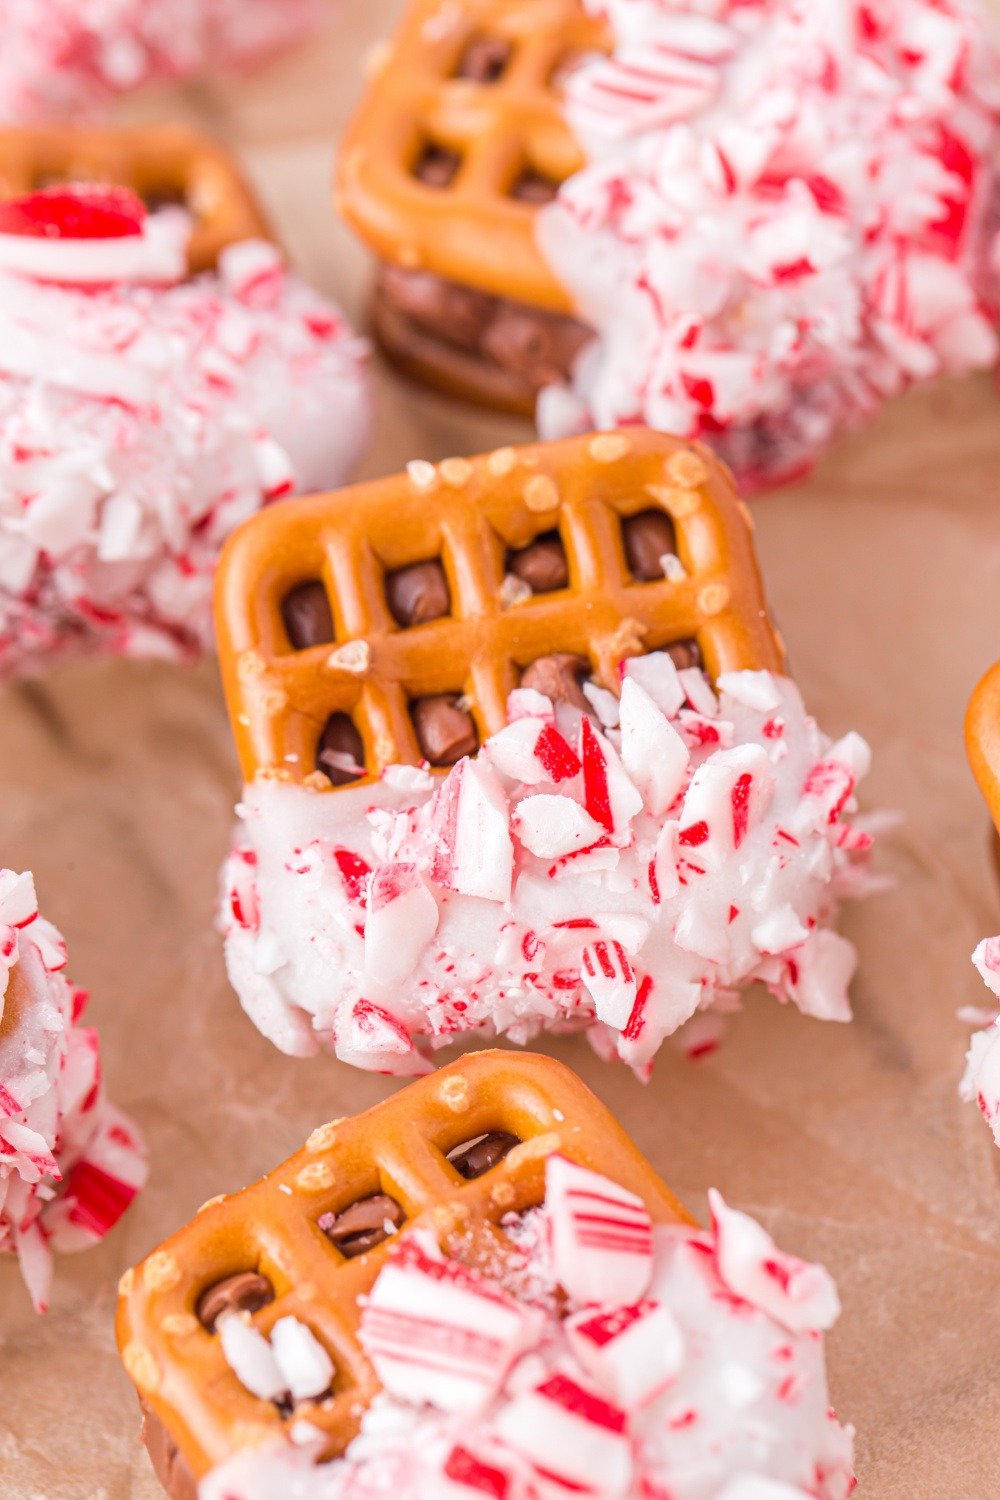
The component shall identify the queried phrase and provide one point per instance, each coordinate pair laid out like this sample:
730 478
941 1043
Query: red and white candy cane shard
571 1435
402 918
633 1353
795 1293
475 855
610 980
439 1333
602 1235
727 797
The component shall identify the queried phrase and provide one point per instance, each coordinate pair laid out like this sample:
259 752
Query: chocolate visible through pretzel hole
340 754
648 537
472 1159
436 166
559 678
445 732
485 59
363 1225
418 593
541 565
305 611
684 653
534 187
246 1291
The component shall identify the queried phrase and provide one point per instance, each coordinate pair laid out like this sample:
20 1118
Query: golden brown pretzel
474 230
398 1148
469 513
161 163
982 739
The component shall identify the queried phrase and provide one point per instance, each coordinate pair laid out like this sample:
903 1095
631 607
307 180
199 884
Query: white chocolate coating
693 853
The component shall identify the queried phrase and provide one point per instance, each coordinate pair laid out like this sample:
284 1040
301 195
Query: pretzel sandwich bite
484 1279
162 376
490 786
750 224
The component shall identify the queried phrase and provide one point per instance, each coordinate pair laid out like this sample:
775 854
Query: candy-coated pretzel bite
982 739
423 1152
459 138
163 164
310 595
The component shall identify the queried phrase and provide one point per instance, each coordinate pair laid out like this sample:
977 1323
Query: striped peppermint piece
572 1436
439 1333
633 1353
602 1235
610 980
642 88
728 796
402 918
800 1296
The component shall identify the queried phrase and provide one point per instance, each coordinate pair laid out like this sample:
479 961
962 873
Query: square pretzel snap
461 135
453 1153
162 164
388 623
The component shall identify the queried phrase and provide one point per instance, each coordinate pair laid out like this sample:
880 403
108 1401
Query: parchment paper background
849 1142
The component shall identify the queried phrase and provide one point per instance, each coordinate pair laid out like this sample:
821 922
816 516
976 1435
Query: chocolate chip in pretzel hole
473 1158
559 677
418 593
305 612
340 754
648 537
246 1291
485 59
363 1225
436 166
541 565
534 187
684 653
164 195
445 731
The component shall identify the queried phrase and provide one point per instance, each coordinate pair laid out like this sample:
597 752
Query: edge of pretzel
982 739
224 207
155 1319
487 243
260 680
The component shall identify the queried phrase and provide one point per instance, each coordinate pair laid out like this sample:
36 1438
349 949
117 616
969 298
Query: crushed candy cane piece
439 1333
70 1163
602 1236
683 1394
784 219
632 1352
799 1296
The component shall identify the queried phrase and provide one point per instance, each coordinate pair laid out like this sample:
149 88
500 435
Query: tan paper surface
849 1142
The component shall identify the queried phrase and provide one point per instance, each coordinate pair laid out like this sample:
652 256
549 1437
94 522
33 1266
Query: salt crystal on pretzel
143 420
439 1333
63 59
70 1164
738 238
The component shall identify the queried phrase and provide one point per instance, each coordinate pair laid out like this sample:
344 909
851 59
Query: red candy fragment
80 212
